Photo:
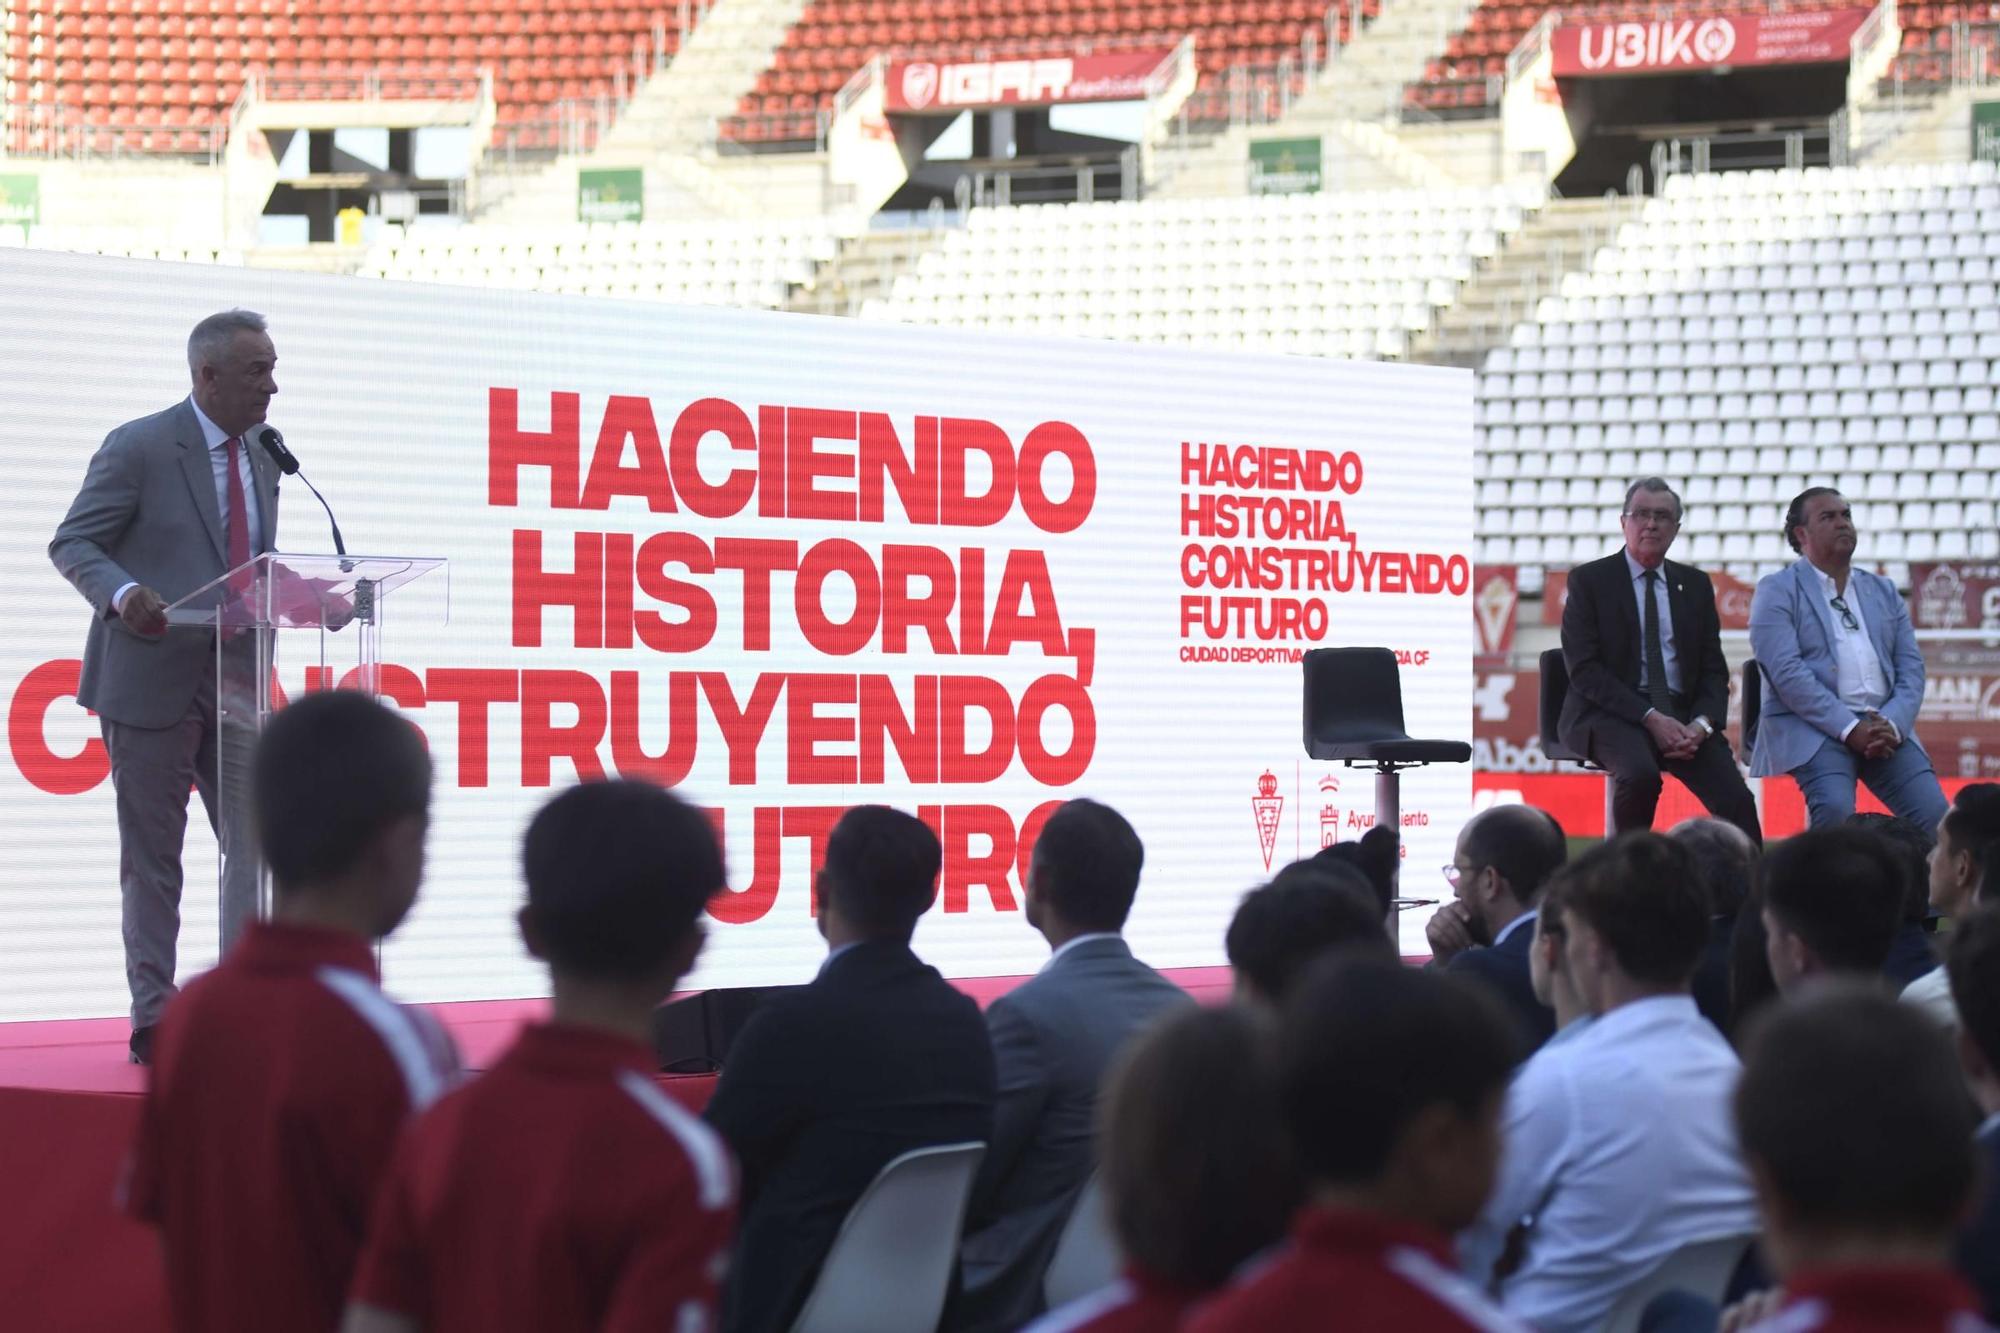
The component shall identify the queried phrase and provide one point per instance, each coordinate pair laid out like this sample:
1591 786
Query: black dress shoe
142 1045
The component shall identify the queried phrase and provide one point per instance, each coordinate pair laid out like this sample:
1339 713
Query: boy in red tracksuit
563 1190
282 1078
1391 1082
1859 1138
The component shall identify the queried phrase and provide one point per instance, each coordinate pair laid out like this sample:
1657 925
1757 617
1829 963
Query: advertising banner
1985 133
1671 45
1113 76
1284 166
1732 597
1496 601
610 194
788 565
20 200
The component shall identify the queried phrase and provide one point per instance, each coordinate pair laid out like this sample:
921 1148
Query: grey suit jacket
148 513
1054 1038
1791 635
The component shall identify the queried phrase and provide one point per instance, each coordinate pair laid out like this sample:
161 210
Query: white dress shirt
1667 651
1071 943
1858 677
1525 921
218 461
1619 1143
1931 993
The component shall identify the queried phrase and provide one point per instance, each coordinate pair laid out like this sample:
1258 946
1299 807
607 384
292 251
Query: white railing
388 83
60 132
1529 50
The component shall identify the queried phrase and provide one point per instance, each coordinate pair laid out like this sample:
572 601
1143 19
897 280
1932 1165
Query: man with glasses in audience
1648 685
1844 675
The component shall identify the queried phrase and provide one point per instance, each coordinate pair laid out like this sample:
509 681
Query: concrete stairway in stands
734 43
1559 239
1351 108
864 269
668 127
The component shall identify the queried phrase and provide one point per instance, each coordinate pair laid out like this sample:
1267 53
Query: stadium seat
194 72
1870 379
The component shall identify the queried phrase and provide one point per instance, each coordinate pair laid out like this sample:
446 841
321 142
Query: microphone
288 463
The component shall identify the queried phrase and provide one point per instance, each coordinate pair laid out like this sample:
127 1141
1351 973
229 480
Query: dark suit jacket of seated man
828 1083
1054 1040
1615 713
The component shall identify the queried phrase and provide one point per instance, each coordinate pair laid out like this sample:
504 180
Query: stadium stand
835 38
1462 80
736 263
168 71
1333 274
1754 333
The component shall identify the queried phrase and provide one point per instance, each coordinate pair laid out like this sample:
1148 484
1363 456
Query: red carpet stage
68 1102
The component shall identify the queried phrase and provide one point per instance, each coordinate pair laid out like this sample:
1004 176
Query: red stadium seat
193 53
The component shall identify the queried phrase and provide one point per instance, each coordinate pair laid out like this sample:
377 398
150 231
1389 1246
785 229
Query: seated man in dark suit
829 1082
1648 686
1504 856
1972 962
1054 1039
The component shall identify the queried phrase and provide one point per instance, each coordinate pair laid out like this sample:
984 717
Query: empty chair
1354 715
1086 1256
892 1261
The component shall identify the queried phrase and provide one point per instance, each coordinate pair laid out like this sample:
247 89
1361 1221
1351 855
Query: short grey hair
1652 484
212 335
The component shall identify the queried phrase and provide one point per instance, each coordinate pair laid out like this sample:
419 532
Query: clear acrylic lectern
327 609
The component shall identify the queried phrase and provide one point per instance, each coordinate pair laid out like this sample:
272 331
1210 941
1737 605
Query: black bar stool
1354 715
1554 690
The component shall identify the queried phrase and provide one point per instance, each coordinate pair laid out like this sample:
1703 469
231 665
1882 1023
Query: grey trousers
151 771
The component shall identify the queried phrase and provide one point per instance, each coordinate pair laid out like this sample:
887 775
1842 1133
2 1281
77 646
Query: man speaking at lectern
172 502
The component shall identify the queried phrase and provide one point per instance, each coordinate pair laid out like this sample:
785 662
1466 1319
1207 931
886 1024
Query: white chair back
1703 1268
1085 1257
891 1263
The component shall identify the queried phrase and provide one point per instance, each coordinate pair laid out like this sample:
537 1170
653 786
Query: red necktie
238 516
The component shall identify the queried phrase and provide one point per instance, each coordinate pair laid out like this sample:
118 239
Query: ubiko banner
1667 45
786 564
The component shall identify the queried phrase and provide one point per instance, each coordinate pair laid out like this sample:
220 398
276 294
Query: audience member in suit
829 1082
1972 962
1604 1200
1855 1123
1640 718
1391 1082
1504 856
1054 1037
1727 862
1910 953
1196 1177
1281 928
1846 675
1959 879
1833 901
1376 854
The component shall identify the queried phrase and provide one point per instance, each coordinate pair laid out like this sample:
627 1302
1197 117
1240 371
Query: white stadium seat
1756 332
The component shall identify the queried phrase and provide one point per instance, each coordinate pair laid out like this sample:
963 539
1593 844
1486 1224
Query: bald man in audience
1503 857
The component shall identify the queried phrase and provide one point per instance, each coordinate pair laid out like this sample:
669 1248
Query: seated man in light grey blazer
1054 1039
171 502
1845 675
